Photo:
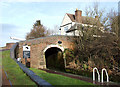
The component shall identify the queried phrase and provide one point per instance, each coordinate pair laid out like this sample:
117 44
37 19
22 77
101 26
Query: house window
65 28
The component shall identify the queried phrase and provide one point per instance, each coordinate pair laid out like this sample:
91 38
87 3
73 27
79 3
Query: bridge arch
50 46
53 55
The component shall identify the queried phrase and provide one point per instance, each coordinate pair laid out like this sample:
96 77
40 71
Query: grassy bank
15 74
56 80
17 77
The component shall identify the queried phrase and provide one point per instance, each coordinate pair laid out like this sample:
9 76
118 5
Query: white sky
17 18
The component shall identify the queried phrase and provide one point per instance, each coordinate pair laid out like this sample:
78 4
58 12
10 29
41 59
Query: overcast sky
17 18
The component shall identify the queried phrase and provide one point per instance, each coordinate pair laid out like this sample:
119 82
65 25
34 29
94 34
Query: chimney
78 16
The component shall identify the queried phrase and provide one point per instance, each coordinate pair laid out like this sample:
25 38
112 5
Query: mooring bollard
106 75
97 73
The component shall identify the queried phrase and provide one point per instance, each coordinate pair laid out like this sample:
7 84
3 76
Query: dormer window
66 28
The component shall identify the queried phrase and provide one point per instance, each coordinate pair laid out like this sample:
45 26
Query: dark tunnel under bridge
54 58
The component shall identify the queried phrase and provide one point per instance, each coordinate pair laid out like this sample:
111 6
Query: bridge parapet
38 45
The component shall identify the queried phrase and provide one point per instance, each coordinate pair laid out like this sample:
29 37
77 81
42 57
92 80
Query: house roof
85 19
71 16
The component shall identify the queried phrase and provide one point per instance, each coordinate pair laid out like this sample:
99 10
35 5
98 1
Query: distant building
71 22
9 45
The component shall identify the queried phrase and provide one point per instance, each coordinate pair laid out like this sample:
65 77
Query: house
71 22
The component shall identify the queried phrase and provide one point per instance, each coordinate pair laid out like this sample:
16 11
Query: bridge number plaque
26 51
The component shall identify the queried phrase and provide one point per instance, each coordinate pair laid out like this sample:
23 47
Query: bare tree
113 21
96 44
55 30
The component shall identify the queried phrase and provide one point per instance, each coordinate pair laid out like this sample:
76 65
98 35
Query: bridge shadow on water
54 59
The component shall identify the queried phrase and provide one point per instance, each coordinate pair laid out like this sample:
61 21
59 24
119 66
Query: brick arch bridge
39 46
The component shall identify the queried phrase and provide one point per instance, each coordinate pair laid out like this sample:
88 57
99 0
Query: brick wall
37 46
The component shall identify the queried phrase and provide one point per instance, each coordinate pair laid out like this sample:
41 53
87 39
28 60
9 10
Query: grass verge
15 74
18 77
57 80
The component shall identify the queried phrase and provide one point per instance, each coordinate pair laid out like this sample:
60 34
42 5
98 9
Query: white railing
106 75
99 74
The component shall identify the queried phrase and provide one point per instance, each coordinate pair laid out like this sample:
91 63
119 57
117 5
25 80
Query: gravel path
5 80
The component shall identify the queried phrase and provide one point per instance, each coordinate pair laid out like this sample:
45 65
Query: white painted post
106 75
97 73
